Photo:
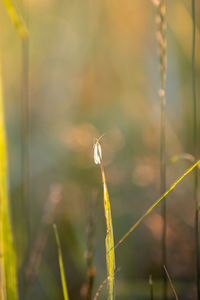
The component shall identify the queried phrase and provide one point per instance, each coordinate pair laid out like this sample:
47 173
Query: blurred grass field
93 68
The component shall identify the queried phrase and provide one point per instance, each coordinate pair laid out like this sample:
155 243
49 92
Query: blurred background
93 68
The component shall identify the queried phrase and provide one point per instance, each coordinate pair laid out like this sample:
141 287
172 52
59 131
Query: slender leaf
8 256
162 45
110 255
16 19
171 283
156 203
60 258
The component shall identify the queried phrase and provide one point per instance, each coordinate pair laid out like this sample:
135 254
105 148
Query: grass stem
110 253
161 36
8 263
25 136
170 281
195 145
60 258
151 287
90 246
156 203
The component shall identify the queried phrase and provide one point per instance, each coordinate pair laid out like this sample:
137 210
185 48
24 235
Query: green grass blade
16 19
156 203
8 257
60 258
110 251
110 255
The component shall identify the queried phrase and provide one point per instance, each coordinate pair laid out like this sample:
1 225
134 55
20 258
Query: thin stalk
110 257
22 31
8 263
195 145
162 43
163 148
172 187
25 136
90 246
102 285
39 244
151 287
16 19
171 283
25 140
109 241
61 265
100 288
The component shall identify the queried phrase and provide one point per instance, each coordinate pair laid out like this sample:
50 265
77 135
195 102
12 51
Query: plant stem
172 187
61 265
151 287
171 283
109 241
195 145
8 264
25 130
162 189
90 246
162 43
25 136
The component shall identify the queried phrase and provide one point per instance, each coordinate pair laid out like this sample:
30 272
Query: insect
97 151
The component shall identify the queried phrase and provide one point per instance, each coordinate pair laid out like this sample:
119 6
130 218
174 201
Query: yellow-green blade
156 203
8 256
16 19
110 255
61 265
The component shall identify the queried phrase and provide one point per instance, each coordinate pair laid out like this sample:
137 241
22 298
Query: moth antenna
101 137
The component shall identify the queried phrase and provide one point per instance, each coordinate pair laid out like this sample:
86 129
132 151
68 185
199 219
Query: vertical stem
109 241
162 189
8 263
25 123
151 287
90 247
171 283
25 174
25 199
25 129
161 36
195 135
61 264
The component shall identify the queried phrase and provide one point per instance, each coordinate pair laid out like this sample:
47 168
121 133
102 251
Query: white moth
97 153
